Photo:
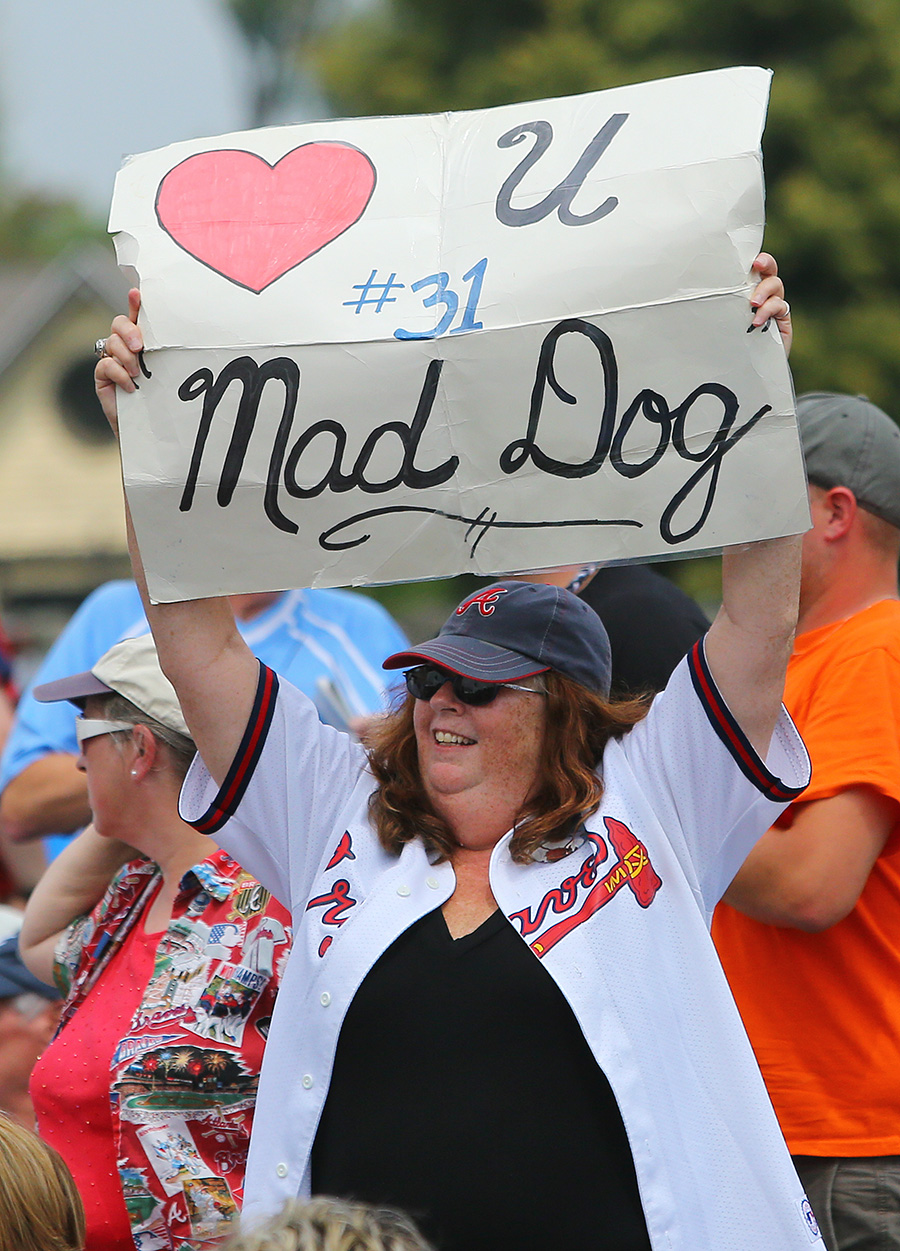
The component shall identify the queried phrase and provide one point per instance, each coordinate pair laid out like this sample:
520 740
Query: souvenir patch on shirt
249 899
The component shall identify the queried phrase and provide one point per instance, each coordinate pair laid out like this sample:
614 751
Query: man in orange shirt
811 939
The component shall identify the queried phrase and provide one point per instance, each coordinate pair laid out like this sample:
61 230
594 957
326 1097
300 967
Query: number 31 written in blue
442 294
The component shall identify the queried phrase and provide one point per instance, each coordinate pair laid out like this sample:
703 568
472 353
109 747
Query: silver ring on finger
787 310
100 348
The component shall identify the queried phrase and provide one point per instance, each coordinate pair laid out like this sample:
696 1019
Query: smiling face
479 765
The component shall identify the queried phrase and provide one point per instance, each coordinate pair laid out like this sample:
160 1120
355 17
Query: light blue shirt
306 636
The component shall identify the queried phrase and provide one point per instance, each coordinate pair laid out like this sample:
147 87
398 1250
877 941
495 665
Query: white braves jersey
621 924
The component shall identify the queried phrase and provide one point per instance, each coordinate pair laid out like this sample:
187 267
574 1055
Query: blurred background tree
36 228
275 30
832 142
831 146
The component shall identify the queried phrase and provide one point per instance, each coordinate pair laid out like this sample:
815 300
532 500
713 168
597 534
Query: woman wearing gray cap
503 1011
170 971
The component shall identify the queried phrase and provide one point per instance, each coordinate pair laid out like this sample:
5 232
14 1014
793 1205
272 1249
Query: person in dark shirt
651 623
491 971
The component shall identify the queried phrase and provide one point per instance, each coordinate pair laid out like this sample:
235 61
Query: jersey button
306 1081
432 882
281 1170
403 890
325 999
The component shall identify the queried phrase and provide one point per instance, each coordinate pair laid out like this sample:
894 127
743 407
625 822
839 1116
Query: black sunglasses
425 681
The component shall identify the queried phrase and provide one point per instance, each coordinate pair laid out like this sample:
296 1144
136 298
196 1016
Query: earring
134 773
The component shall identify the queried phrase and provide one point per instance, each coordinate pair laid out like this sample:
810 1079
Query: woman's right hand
120 365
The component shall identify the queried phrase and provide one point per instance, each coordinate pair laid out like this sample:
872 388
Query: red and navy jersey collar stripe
238 778
731 734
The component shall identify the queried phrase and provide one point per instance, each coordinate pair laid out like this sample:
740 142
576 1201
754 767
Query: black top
651 625
464 1093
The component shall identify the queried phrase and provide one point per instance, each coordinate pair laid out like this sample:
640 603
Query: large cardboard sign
386 349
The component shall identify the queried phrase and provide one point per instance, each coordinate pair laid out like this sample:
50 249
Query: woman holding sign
503 1011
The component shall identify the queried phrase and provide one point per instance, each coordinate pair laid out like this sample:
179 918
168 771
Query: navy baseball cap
514 629
15 979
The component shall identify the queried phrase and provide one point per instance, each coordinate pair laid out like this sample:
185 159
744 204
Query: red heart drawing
251 221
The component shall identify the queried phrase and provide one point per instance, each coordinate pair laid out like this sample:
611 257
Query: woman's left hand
767 300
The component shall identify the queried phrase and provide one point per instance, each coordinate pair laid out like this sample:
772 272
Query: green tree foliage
37 228
832 144
273 29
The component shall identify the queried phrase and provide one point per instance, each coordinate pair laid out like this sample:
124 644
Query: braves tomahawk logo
486 601
579 896
343 851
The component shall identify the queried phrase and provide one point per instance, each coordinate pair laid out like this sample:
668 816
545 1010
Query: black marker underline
479 522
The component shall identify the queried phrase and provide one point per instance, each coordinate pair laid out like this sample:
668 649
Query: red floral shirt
183 1078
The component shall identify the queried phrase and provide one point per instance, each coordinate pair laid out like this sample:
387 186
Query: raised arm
750 641
200 650
74 882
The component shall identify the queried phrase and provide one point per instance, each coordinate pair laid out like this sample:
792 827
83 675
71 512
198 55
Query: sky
83 83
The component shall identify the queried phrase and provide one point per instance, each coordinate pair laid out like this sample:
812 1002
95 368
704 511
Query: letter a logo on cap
486 601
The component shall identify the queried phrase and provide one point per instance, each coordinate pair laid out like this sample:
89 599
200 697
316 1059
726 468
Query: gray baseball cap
131 669
849 441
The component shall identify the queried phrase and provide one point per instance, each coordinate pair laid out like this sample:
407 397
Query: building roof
32 296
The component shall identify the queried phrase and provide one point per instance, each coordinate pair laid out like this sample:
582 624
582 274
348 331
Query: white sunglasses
90 727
